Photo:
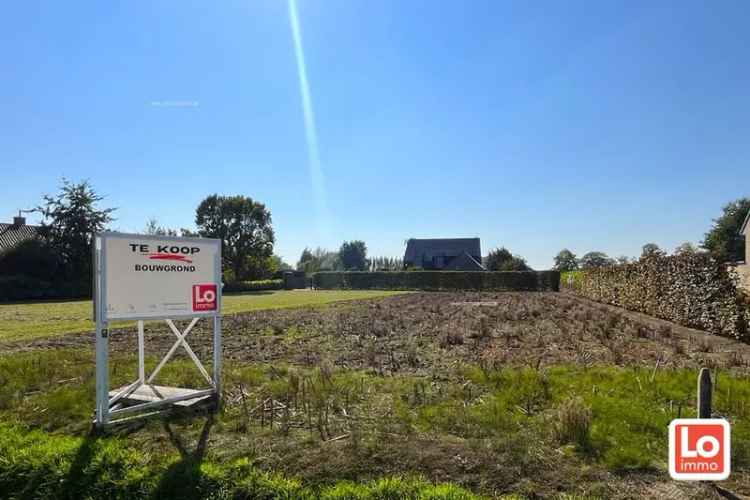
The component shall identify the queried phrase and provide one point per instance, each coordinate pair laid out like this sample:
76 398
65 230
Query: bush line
693 290
440 280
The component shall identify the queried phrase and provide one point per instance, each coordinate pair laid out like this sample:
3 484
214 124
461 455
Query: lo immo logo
699 449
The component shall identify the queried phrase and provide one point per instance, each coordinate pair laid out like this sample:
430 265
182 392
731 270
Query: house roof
446 247
465 262
745 224
12 234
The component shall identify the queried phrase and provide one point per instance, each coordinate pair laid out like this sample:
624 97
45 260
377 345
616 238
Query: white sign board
143 277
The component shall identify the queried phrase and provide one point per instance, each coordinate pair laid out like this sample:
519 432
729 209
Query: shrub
440 280
693 290
253 286
573 423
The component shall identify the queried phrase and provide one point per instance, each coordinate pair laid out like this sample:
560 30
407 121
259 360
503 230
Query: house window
438 261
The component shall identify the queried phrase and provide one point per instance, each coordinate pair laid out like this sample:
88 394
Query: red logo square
204 297
699 449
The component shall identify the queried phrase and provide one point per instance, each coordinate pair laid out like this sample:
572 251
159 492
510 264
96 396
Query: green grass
511 412
26 321
35 464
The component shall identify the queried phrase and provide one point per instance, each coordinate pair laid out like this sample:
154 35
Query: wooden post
704 393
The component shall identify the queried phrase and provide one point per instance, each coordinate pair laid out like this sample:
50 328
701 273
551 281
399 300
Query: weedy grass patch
610 418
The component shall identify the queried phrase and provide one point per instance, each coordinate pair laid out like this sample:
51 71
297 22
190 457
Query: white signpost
138 277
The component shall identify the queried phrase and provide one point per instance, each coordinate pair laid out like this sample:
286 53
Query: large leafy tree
244 227
565 260
353 255
723 240
593 260
69 221
500 259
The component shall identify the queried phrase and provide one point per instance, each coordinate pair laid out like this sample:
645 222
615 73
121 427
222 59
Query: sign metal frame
110 408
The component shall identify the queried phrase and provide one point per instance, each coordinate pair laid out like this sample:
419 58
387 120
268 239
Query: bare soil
428 333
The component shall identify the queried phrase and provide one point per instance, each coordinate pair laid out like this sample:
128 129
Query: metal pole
102 340
141 361
217 356
217 325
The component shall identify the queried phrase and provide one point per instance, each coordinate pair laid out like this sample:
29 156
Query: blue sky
534 125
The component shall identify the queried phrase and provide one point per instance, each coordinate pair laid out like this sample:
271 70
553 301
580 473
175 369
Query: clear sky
535 125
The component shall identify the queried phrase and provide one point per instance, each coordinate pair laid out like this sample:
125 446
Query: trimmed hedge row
691 290
253 286
440 280
22 287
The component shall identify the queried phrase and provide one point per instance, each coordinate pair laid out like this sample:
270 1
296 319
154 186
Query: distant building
446 254
13 234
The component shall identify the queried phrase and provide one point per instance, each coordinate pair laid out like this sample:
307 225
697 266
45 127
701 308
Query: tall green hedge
440 280
692 290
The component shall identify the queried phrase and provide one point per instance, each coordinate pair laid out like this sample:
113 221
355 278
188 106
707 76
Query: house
743 268
446 254
13 234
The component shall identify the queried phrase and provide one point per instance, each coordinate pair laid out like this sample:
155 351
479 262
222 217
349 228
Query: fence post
704 393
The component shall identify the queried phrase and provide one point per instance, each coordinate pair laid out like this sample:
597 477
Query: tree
500 259
153 228
69 223
686 248
243 226
278 264
305 259
565 260
651 250
318 260
723 240
353 255
593 260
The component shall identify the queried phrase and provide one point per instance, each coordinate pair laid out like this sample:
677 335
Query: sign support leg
141 361
102 373
217 356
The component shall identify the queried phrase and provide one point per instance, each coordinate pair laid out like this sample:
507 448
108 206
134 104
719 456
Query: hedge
22 287
440 280
692 290
253 286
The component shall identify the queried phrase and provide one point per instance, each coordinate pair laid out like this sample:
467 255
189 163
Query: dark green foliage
34 258
69 223
565 261
723 240
244 228
253 286
593 260
500 259
353 255
439 280
693 290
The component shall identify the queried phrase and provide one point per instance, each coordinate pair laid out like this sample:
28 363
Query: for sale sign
699 449
143 277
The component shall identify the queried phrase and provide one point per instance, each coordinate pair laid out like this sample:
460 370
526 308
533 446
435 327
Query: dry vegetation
535 394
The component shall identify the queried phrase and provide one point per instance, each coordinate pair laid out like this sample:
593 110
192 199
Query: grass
27 321
281 418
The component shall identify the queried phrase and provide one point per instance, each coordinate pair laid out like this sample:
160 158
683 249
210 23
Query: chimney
19 221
